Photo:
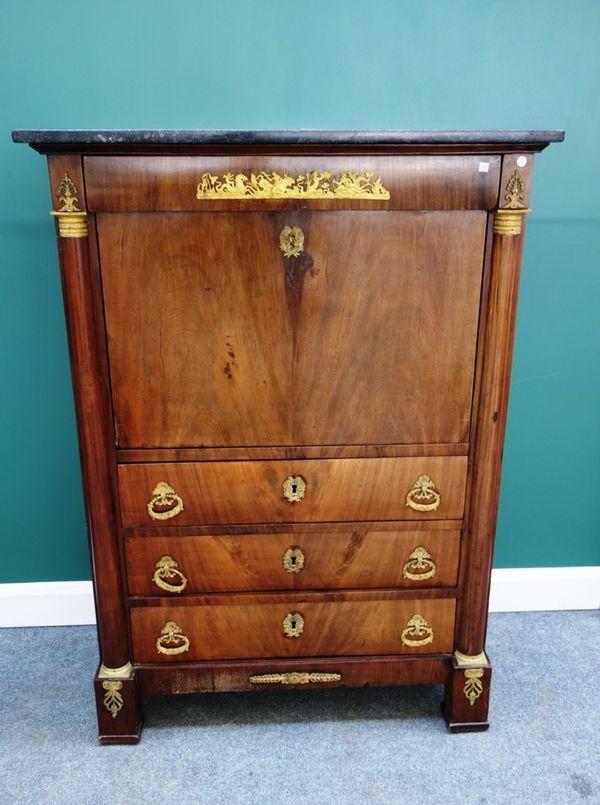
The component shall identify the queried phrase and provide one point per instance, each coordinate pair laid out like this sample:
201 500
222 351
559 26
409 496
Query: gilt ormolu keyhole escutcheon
294 488
293 560
293 624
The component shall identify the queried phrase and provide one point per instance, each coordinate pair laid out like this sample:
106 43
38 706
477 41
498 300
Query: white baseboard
71 603
47 603
531 589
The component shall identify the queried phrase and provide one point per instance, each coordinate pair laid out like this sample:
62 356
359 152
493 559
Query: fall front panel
275 328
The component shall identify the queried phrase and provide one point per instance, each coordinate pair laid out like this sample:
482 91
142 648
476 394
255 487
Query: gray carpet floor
320 747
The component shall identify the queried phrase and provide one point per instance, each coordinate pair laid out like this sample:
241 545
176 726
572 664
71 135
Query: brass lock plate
291 241
293 560
294 488
293 624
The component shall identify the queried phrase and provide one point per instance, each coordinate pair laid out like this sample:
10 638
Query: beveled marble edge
300 136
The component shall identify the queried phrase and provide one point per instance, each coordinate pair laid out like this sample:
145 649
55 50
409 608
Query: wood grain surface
217 339
235 529
490 427
226 675
256 630
79 275
165 454
168 183
331 560
251 491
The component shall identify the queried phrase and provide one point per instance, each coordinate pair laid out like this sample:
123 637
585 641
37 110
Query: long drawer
292 628
359 558
410 181
327 490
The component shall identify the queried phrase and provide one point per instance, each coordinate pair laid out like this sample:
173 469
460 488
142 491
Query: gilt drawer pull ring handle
294 678
423 497
293 624
172 640
293 560
417 632
291 241
167 568
294 488
419 566
165 503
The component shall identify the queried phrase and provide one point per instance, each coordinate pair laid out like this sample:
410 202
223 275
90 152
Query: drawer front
335 490
199 183
292 628
329 560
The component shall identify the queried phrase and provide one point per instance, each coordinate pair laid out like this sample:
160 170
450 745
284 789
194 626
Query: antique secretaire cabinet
290 356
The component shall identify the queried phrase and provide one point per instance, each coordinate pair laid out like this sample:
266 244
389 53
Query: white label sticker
484 167
521 161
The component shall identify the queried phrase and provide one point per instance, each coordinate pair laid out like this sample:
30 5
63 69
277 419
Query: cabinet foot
467 693
118 705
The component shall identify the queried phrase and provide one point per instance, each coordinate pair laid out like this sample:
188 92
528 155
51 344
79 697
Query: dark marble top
101 137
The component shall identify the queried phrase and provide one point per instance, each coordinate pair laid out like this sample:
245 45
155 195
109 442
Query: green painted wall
314 64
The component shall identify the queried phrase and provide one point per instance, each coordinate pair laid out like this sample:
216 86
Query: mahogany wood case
290 355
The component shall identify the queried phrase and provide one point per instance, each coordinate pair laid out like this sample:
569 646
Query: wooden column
491 418
117 698
89 375
467 694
